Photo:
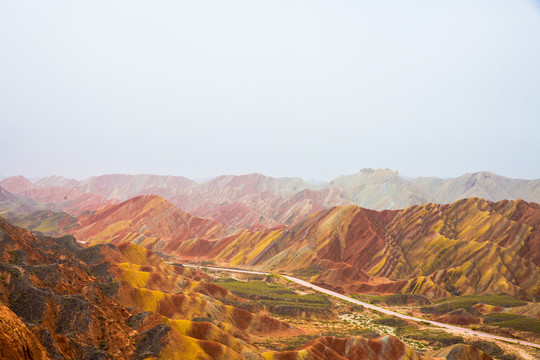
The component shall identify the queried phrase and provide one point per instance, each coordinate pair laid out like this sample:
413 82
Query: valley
360 318
430 281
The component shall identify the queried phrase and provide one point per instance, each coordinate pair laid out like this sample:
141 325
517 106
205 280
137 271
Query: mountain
378 190
123 187
45 222
436 250
59 300
254 200
16 184
485 185
471 246
53 193
6 195
147 220
55 181
385 189
20 205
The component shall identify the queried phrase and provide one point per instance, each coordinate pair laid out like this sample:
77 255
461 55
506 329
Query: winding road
380 309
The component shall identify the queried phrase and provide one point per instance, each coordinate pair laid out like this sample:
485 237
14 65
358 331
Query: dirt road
383 310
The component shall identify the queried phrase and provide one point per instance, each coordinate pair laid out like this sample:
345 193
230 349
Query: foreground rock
385 347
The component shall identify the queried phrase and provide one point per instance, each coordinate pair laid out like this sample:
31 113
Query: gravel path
383 310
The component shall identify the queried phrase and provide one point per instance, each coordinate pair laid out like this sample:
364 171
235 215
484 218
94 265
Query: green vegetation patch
390 321
405 299
518 322
393 300
307 272
449 304
275 296
43 221
369 298
489 348
433 337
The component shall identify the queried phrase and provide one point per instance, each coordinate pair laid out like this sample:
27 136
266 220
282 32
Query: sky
311 88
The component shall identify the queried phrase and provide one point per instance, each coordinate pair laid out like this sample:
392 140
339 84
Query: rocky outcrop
16 340
331 348
462 352
121 302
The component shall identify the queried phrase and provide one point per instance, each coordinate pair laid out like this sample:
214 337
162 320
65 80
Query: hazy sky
286 88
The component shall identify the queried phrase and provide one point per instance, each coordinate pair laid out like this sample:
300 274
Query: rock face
49 289
385 347
148 220
61 301
249 200
16 340
459 317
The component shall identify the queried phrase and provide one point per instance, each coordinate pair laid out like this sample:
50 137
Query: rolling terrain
472 246
471 262
59 300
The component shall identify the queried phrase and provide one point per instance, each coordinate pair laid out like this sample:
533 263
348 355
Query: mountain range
471 246
59 300
90 281
254 199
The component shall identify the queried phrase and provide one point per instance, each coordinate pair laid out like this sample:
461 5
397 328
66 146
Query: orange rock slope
331 348
16 340
147 220
114 302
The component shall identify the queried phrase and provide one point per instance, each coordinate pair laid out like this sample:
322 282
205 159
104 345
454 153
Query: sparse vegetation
390 321
437 338
449 304
489 348
307 272
518 322
277 298
369 298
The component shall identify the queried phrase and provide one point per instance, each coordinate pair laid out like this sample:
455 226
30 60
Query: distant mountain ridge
248 200
471 246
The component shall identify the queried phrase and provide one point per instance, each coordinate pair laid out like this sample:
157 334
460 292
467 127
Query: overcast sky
285 88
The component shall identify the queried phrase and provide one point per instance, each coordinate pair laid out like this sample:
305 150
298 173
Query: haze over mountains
247 200
471 246
347 233
282 225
